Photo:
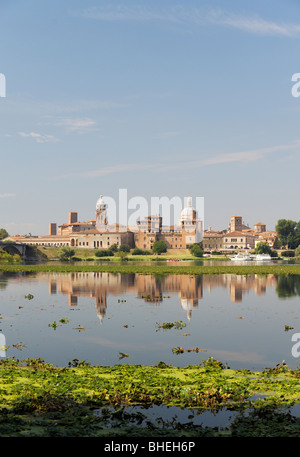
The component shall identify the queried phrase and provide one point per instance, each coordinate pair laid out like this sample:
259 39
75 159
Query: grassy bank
127 267
53 253
38 399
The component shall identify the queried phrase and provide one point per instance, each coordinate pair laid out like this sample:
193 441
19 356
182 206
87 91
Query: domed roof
100 204
188 213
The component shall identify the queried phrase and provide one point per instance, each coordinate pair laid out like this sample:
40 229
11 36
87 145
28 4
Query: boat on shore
244 257
241 257
263 257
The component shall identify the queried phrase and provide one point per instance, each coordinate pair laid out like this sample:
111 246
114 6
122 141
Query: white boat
241 257
263 257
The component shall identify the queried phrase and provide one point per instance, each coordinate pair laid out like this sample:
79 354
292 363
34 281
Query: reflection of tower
188 304
101 306
236 293
149 288
189 293
52 287
101 217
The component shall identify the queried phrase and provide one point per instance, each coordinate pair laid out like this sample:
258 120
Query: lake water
238 320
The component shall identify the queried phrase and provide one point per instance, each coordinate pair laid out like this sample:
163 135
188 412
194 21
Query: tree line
288 234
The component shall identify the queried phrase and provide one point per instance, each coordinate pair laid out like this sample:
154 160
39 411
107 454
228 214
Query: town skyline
162 98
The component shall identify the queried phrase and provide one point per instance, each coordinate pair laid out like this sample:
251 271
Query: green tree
104 253
3 234
122 255
288 233
66 254
124 248
196 250
114 248
276 244
138 251
159 247
262 248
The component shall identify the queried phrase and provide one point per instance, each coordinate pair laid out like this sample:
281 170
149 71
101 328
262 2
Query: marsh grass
155 269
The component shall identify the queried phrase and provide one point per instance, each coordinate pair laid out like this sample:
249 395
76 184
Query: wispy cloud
79 125
7 195
40 138
186 15
252 23
159 167
240 156
109 170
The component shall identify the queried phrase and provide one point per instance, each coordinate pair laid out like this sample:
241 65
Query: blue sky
162 98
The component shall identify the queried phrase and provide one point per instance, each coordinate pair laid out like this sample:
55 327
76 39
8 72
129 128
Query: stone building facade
98 234
181 236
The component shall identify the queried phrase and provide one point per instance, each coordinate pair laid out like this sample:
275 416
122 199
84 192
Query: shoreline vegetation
39 399
162 269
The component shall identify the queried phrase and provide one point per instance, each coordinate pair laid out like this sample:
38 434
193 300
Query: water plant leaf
122 355
80 327
19 345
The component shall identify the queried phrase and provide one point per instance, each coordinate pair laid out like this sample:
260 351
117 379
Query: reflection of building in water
152 289
238 285
94 285
189 289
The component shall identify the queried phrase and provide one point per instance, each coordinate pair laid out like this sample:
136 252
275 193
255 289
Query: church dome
188 213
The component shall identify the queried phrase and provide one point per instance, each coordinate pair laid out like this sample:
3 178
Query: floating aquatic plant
29 296
178 325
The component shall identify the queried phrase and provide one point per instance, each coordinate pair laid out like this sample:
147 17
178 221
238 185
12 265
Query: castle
99 234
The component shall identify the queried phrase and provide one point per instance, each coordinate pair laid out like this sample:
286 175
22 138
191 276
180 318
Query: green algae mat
39 399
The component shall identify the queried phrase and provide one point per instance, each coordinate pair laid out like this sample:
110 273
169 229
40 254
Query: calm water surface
236 319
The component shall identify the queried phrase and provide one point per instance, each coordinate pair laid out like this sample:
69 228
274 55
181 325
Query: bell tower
101 218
